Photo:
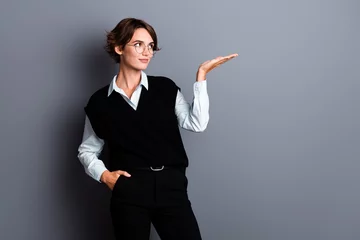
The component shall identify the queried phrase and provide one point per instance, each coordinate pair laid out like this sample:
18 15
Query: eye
137 44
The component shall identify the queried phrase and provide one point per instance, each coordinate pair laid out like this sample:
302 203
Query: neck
128 78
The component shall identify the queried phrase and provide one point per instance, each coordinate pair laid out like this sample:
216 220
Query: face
130 53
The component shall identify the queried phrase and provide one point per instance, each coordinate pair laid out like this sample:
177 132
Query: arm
194 117
89 151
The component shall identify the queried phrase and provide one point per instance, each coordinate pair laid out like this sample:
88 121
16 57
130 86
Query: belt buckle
157 169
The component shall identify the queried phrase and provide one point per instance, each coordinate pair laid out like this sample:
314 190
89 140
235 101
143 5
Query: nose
146 52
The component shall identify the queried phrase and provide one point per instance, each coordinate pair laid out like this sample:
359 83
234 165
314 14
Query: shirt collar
114 87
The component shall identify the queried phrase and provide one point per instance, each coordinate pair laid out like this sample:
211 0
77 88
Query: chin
142 66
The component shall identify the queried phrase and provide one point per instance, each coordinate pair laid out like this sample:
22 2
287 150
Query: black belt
155 169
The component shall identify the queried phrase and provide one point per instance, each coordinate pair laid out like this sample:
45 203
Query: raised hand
209 65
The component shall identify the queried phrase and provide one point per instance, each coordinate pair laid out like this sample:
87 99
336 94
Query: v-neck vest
147 136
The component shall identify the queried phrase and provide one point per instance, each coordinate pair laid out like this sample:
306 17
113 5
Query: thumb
126 174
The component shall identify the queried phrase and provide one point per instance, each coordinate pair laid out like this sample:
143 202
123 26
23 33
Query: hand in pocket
110 178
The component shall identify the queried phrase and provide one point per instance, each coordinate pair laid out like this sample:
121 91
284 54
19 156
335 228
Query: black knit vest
147 136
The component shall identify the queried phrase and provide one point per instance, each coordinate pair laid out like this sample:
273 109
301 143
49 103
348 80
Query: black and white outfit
143 137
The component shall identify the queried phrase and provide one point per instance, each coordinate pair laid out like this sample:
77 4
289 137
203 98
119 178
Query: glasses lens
139 47
151 48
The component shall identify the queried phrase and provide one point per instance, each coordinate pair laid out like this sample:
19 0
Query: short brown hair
122 34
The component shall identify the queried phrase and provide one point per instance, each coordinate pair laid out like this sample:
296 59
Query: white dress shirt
194 117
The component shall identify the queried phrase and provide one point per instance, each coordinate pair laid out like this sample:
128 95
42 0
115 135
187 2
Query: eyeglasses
140 47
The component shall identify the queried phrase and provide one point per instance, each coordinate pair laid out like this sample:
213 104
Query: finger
124 173
205 62
232 55
221 57
225 59
119 173
220 62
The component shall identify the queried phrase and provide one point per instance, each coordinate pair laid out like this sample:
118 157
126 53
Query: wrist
104 175
200 76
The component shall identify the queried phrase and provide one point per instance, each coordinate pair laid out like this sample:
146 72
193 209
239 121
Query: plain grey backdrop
279 159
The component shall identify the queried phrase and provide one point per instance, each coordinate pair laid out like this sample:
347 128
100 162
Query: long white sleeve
89 151
193 117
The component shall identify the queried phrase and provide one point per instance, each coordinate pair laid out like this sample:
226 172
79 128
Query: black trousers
157 197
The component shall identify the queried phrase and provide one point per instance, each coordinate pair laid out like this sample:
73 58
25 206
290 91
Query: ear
118 50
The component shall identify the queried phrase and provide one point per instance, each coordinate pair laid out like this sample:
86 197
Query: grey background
280 156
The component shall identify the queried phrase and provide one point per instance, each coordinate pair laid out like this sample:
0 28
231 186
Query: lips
144 60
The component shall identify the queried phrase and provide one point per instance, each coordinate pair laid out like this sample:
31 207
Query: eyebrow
140 41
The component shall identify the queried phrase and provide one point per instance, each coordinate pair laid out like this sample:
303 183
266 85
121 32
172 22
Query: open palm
209 65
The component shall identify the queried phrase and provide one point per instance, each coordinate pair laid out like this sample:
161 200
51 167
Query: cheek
130 57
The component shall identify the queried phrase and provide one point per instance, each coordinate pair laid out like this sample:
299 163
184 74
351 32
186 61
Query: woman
138 116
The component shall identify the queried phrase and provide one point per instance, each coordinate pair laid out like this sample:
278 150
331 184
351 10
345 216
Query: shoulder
162 82
98 97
